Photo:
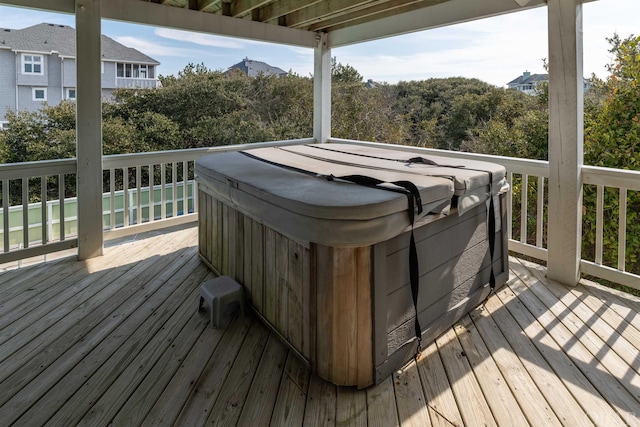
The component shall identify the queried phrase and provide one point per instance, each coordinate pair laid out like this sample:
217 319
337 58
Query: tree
612 139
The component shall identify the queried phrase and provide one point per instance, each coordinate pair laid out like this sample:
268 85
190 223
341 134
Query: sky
495 50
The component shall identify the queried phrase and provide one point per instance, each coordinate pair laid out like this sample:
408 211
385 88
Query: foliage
202 107
612 139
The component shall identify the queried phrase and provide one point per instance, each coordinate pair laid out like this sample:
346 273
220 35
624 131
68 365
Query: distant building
37 65
254 68
370 84
527 82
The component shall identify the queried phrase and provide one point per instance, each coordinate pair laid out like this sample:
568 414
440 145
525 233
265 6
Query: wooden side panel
232 234
295 317
324 314
364 346
270 276
309 307
219 238
247 245
224 242
280 277
344 315
345 321
202 225
282 283
257 265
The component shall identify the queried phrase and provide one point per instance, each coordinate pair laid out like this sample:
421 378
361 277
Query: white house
38 64
527 82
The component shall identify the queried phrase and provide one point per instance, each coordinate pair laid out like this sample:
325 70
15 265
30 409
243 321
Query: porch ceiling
296 22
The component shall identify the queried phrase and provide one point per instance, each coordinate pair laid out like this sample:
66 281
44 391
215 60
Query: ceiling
310 15
295 22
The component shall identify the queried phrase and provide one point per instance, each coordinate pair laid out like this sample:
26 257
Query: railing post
322 90
89 129
566 140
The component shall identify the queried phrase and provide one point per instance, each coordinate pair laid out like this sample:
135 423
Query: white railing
142 191
530 207
49 178
160 191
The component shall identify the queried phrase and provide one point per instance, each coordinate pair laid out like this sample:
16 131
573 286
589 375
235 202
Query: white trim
32 62
148 13
89 128
67 93
322 90
33 94
566 140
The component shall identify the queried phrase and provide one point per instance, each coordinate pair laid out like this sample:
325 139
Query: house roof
254 68
49 38
529 79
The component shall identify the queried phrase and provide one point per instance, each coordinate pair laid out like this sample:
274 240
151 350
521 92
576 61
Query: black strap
414 201
491 220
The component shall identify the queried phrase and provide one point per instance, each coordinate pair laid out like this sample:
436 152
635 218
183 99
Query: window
135 71
39 93
71 93
4 126
32 64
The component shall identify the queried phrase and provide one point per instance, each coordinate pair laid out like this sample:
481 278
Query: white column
322 90
89 129
566 140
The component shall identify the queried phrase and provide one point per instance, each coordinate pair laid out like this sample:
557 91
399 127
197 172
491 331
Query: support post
322 90
566 140
89 129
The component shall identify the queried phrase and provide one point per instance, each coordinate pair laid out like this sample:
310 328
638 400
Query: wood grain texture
364 321
471 401
290 404
381 405
441 403
257 265
410 398
321 403
260 401
351 409
140 353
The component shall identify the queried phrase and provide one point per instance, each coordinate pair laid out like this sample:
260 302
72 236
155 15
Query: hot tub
320 236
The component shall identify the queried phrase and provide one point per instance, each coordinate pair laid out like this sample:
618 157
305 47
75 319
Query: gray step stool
224 296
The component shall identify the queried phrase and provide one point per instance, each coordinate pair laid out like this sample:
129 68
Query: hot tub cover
298 191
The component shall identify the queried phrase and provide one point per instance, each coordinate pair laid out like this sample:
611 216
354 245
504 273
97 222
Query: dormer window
32 64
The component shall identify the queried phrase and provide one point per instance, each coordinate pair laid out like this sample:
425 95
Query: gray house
254 68
37 65
527 82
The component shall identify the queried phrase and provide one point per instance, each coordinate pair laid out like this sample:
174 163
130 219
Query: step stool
224 296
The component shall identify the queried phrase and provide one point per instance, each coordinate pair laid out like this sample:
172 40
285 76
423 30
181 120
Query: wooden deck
118 340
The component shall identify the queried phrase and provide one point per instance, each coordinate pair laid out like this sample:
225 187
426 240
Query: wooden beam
64 6
325 9
89 129
147 13
566 140
439 15
280 8
376 10
322 90
209 5
241 8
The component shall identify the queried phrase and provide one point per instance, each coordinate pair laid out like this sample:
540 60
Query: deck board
119 340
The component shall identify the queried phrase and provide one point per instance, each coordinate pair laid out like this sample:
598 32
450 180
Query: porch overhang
323 25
